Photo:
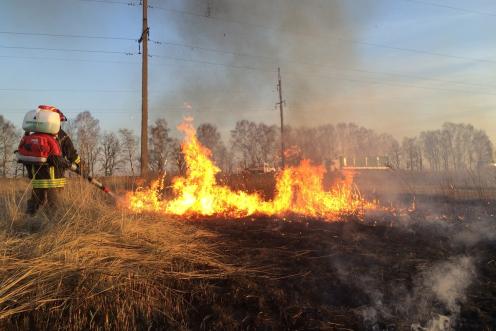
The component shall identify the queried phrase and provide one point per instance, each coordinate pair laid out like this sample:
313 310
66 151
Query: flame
292 151
299 190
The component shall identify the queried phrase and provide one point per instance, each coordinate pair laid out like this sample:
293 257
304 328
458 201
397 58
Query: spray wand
74 168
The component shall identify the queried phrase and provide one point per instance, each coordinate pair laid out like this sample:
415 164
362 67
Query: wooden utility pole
281 109
144 91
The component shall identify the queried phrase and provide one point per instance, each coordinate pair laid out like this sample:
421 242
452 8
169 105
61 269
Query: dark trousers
41 197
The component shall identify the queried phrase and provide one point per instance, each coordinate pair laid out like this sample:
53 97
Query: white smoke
477 231
448 281
438 323
433 304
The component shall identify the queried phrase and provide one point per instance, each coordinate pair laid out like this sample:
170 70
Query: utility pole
281 109
144 91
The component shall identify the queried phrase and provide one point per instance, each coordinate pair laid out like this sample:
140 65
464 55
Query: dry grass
90 266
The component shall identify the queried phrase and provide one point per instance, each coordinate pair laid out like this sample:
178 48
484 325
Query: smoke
448 281
303 38
433 303
434 295
482 230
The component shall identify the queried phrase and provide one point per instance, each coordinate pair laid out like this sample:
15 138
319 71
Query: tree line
453 147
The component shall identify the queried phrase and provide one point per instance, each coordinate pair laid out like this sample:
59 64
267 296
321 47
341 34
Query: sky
395 66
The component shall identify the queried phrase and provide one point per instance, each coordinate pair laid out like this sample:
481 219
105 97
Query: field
427 264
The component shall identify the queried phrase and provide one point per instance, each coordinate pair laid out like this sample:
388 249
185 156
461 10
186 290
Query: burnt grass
321 275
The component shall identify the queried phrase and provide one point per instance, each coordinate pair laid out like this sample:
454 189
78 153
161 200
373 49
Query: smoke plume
303 38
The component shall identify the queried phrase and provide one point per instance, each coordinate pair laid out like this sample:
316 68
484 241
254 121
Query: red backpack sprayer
40 147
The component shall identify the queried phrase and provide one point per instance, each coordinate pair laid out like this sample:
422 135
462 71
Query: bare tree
307 141
87 134
482 149
356 141
412 154
177 156
326 137
129 147
431 146
243 137
456 147
70 128
160 145
111 148
254 143
323 143
387 145
394 154
268 137
9 137
209 136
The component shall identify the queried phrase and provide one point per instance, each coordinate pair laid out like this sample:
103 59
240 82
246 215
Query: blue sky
397 66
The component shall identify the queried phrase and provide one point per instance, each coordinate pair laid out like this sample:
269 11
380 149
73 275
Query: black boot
38 199
32 206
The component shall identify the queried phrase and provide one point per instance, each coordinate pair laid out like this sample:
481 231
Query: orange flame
299 190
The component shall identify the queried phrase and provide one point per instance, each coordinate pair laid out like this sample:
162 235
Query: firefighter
48 179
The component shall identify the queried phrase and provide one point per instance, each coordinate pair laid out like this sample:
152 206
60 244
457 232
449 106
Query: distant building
263 169
360 163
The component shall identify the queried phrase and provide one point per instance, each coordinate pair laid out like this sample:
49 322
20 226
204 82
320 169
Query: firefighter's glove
76 168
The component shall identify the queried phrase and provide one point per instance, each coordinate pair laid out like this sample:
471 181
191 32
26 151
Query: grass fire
247 165
299 190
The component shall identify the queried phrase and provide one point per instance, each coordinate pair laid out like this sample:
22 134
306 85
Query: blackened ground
350 274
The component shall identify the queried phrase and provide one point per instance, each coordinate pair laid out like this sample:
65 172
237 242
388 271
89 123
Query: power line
418 51
56 35
342 39
253 68
196 47
428 3
36 90
265 70
419 77
113 2
226 65
208 49
137 110
183 12
232 66
275 60
360 42
395 84
440 5
63 59
371 82
67 50
246 23
65 90
211 63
